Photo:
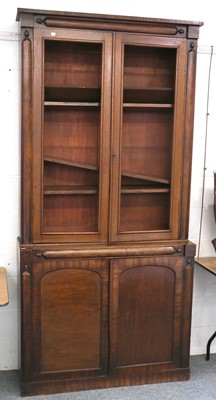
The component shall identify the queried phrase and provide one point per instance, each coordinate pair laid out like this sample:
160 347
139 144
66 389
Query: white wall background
204 304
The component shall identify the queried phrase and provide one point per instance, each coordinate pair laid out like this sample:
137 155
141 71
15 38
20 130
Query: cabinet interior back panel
72 64
149 67
147 142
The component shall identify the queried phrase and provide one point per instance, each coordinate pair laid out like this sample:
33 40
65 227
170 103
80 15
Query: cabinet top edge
105 17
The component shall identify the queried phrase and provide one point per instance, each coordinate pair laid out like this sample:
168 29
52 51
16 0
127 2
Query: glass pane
72 92
147 137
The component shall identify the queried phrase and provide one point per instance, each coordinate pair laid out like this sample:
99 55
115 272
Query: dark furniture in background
214 240
209 264
106 265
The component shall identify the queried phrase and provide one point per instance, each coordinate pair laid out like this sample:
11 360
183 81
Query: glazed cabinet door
149 298
148 135
71 143
69 318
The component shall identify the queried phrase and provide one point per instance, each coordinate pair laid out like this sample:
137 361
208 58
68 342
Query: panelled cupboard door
147 313
69 319
71 142
148 134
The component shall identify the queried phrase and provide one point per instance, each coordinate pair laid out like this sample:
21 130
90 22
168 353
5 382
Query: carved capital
26 35
26 270
192 47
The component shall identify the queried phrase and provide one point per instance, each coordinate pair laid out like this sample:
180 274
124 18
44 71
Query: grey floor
201 386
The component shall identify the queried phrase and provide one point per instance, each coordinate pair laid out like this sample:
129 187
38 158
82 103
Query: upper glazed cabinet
112 121
72 121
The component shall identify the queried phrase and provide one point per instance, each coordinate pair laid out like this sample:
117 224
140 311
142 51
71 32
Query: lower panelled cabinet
100 322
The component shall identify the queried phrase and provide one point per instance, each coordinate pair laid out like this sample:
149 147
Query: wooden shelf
147 105
146 178
70 104
143 190
71 163
57 190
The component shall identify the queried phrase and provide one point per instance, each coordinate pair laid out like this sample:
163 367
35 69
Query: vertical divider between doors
116 136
